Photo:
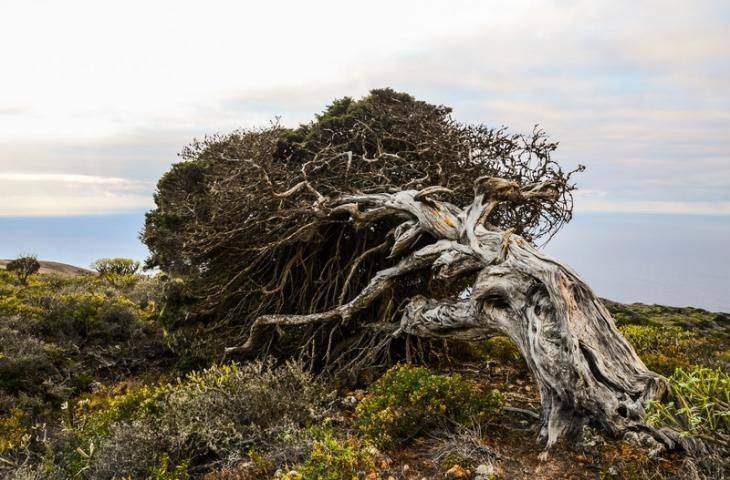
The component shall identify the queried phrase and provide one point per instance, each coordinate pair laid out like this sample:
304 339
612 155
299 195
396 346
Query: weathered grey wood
584 368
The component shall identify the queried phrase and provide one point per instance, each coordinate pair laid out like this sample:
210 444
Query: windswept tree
354 239
23 267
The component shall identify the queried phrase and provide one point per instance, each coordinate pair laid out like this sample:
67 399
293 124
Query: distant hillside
58 268
690 318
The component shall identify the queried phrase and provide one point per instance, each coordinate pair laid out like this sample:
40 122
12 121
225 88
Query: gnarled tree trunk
585 369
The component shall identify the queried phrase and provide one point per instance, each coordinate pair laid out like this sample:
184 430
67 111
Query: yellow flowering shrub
13 431
93 414
333 459
663 349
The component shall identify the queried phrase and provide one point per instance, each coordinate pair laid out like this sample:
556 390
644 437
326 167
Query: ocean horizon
675 260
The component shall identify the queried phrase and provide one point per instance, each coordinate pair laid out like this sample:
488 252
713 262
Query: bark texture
585 370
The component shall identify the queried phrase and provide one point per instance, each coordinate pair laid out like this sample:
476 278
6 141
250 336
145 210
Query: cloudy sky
96 98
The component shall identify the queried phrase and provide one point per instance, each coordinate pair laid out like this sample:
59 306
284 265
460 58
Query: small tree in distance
24 266
116 270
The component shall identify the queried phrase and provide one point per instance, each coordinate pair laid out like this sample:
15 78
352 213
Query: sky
97 99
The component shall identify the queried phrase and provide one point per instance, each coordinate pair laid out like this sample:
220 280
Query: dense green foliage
59 338
665 349
408 400
333 459
61 334
668 338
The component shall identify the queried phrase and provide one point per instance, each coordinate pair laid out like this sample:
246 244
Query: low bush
11 306
213 415
59 338
408 400
649 339
166 471
504 350
464 447
222 408
132 450
88 318
663 349
92 415
333 459
29 365
13 431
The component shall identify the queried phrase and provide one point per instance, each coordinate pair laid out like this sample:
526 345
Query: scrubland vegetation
92 386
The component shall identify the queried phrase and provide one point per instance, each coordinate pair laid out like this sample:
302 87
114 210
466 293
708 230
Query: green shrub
30 365
76 310
11 306
699 404
504 350
110 413
220 409
409 399
261 462
332 459
89 318
92 415
650 339
166 471
13 431
214 414
663 349
60 336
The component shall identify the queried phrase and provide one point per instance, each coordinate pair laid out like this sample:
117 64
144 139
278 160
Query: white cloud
87 68
672 208
59 194
66 179
109 92
57 204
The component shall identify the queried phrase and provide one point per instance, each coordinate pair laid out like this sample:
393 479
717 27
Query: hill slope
58 268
